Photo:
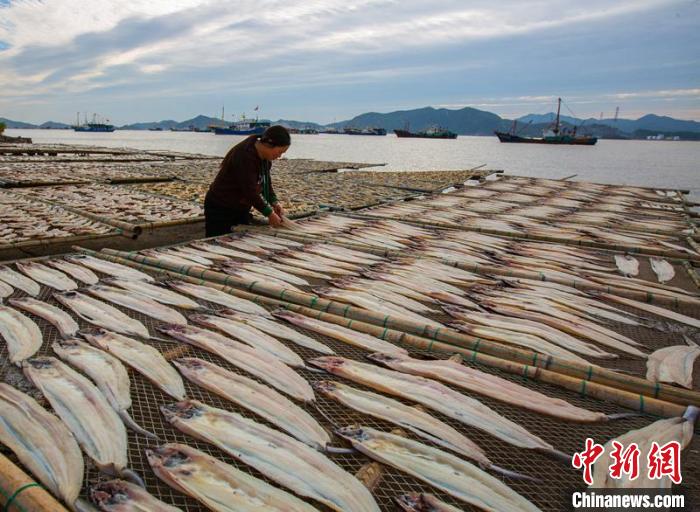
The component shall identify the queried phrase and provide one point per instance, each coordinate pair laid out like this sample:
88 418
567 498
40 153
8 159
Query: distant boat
555 134
157 129
434 132
92 127
243 127
364 131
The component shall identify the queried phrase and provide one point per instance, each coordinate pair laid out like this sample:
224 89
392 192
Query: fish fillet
219 486
219 297
442 470
137 302
61 320
673 365
122 496
276 455
79 272
258 398
663 269
143 358
22 336
42 443
157 293
423 503
110 268
49 276
19 281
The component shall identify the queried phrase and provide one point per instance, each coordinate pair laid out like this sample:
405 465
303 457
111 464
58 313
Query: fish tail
557 454
623 415
132 476
81 505
513 474
129 422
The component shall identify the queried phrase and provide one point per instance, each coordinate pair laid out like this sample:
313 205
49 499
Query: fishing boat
364 131
243 127
94 126
434 132
554 134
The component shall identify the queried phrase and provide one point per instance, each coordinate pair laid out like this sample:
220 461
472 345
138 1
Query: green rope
641 403
386 330
430 346
534 359
345 311
525 375
8 503
657 388
386 319
583 388
436 333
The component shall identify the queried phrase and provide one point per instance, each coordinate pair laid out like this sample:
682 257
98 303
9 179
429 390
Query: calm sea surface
647 163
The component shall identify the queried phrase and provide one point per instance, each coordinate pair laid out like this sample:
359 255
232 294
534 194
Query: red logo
665 461
587 458
626 461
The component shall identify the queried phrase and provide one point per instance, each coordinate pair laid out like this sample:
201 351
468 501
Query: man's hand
274 220
277 208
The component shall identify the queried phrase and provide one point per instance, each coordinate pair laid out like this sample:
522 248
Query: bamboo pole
443 334
692 273
26 494
583 387
492 270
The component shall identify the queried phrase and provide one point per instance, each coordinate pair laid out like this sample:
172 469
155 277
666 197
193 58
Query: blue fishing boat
243 127
94 126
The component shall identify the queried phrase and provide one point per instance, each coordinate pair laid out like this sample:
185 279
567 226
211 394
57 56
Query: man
244 181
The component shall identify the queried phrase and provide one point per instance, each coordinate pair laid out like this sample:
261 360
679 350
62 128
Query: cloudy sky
146 60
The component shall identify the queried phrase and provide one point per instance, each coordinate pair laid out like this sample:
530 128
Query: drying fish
253 277
122 496
256 362
236 242
275 272
436 396
382 291
196 255
106 371
143 358
278 330
137 302
457 374
338 332
86 412
256 397
101 314
218 297
405 416
110 268
19 281
673 365
225 251
61 320
5 290
649 308
79 272
423 503
157 293
250 336
22 336
678 429
219 486
42 443
177 260
663 269
440 469
48 276
276 455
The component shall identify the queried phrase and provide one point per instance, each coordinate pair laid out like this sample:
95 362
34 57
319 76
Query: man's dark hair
276 136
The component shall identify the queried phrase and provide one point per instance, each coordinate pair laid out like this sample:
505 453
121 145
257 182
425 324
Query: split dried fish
5 290
110 268
471 379
250 336
42 443
19 281
440 469
61 320
143 358
436 396
650 308
137 302
79 272
276 455
256 362
156 292
219 486
278 330
22 336
256 397
627 265
663 269
673 365
106 371
122 496
101 314
86 413
338 332
423 503
219 297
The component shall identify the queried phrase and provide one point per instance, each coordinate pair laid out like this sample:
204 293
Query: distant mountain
299 125
465 121
9 123
53 125
200 122
651 122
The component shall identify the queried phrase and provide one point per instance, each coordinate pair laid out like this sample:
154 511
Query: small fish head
328 363
185 409
324 386
114 492
410 502
40 363
67 342
352 433
190 363
198 317
171 329
168 455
